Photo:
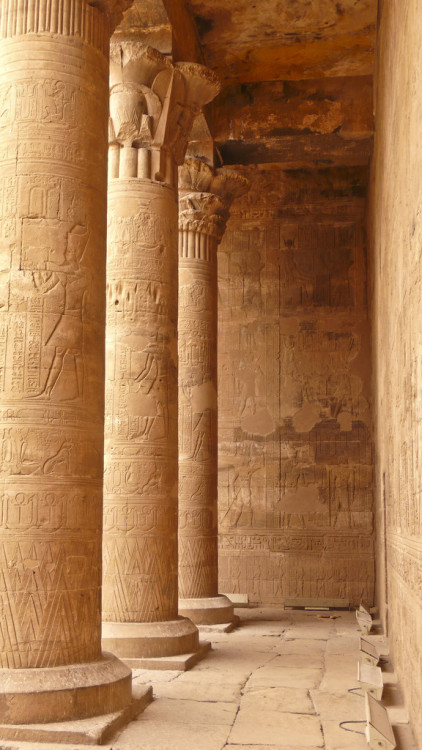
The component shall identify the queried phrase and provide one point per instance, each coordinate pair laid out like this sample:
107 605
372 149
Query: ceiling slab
286 39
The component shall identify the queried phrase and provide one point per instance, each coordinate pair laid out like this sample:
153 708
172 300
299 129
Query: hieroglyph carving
295 444
152 106
52 240
205 196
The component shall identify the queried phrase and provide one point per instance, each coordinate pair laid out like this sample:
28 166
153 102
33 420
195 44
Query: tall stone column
152 105
53 157
205 196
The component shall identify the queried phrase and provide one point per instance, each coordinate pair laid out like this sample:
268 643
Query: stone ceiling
296 74
269 40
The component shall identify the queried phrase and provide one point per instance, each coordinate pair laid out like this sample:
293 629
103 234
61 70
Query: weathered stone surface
295 123
53 147
396 232
93 731
297 39
295 442
297 76
214 692
266 727
288 677
278 699
205 196
152 107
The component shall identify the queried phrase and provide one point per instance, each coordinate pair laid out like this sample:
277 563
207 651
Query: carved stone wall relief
295 440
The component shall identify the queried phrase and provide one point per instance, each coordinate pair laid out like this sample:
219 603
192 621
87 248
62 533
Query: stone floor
281 681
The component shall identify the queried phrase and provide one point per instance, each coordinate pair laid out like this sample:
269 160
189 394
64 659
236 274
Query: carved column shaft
152 104
205 196
53 151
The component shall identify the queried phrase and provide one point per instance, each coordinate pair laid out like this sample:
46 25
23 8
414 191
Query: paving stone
339 705
162 735
337 738
268 747
277 699
183 711
275 728
340 674
285 677
147 676
179 724
211 686
301 646
343 644
260 691
303 661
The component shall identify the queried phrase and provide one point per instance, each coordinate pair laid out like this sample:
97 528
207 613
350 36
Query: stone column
53 157
205 196
152 105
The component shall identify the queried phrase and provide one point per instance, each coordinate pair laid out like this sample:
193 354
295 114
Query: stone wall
396 224
295 440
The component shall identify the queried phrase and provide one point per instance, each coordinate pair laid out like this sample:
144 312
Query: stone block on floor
94 731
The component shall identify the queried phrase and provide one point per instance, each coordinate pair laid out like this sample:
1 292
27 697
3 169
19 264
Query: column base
94 731
213 610
65 693
179 663
143 640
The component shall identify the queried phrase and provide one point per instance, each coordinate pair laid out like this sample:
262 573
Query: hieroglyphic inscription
51 339
141 405
148 130
205 196
295 445
197 428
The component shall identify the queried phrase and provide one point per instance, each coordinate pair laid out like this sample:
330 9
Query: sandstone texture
53 146
205 196
396 231
152 106
295 439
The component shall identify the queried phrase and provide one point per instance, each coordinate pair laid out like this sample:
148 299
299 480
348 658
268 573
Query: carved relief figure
66 338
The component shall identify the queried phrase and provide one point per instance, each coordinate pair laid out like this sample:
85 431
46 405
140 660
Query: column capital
153 102
92 21
205 196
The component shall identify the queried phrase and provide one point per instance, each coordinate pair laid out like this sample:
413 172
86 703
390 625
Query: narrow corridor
281 681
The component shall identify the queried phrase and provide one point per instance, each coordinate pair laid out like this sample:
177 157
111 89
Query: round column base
65 693
212 610
137 640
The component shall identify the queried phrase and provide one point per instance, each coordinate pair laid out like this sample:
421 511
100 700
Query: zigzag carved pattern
46 591
198 573
139 583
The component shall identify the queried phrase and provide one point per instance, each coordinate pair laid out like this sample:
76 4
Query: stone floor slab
267 747
339 706
337 738
275 728
301 646
259 690
302 661
205 686
164 736
181 662
283 700
223 627
289 677
175 712
341 644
